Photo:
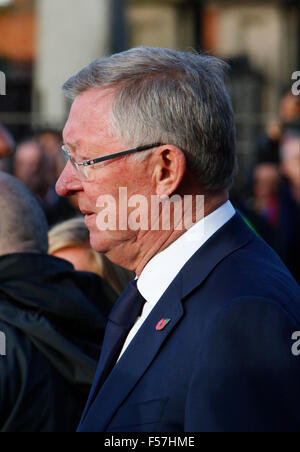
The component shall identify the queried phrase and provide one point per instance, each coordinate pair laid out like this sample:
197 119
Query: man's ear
169 169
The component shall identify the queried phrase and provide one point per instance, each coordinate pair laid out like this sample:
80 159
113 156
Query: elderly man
202 340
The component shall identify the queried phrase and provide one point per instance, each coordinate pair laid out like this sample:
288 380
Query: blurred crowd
271 201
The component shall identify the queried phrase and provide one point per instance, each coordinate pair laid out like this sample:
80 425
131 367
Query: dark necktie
120 321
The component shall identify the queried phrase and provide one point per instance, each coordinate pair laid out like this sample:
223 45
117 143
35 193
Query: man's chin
99 241
108 242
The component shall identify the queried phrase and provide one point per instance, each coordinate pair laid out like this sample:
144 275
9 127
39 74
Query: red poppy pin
162 324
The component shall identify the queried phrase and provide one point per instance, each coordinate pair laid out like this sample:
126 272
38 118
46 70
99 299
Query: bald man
51 322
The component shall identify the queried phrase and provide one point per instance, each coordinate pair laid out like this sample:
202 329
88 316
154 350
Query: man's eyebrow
74 141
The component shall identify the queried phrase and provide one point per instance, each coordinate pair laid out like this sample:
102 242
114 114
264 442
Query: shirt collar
163 268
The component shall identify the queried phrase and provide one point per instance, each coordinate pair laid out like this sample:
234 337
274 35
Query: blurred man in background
274 206
290 201
37 171
30 167
290 162
268 147
50 141
53 319
266 186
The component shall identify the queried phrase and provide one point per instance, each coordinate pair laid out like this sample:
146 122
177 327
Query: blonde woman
70 241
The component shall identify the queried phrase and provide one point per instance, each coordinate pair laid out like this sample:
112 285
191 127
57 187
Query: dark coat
53 319
224 362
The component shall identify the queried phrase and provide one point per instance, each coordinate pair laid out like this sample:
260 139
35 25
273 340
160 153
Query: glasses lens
65 154
83 172
79 169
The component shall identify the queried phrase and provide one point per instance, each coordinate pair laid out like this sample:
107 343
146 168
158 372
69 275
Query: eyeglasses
85 167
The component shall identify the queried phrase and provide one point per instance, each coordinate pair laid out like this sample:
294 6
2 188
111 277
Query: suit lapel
134 362
147 342
107 359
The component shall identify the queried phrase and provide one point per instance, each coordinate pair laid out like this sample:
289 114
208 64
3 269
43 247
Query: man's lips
88 216
87 212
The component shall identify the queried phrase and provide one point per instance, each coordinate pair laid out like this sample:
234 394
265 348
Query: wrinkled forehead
90 117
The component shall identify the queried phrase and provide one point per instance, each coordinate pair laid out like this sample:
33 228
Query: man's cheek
96 192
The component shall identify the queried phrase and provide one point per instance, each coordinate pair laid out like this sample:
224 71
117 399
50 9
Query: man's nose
68 183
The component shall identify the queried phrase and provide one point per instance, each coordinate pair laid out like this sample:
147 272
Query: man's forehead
90 113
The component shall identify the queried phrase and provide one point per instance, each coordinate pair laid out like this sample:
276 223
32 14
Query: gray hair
170 97
23 225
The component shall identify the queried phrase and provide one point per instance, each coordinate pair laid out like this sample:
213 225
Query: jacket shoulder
246 374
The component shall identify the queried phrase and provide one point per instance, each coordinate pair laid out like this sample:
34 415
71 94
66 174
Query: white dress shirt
163 268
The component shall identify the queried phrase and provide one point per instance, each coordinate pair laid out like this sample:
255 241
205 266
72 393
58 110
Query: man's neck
136 255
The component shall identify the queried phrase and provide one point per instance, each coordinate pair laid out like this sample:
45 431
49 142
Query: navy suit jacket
224 362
